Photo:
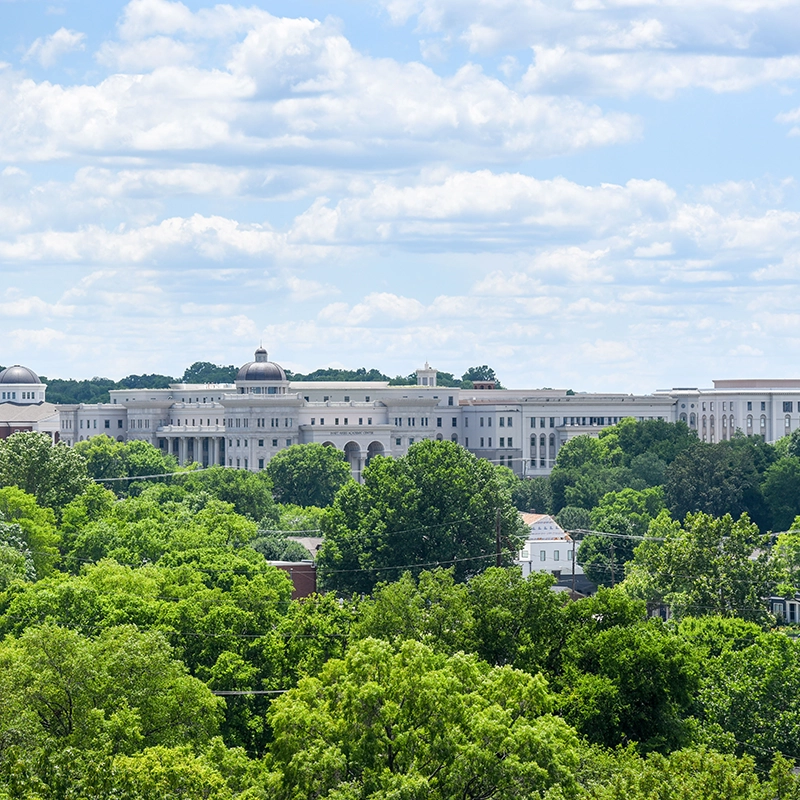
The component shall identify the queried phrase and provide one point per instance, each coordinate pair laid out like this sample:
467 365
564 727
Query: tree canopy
308 474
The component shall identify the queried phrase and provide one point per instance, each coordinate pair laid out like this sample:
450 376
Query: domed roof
18 374
261 369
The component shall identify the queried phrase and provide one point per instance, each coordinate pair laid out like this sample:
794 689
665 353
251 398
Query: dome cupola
260 370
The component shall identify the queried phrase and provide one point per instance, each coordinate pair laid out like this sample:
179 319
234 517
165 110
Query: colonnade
208 456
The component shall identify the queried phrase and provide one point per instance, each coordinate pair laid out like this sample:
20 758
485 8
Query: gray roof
18 374
261 371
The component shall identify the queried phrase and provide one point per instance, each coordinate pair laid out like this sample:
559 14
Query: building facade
245 423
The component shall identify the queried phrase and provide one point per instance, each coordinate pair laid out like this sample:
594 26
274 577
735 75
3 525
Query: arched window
454 438
552 447
692 420
749 423
683 417
787 422
704 421
763 423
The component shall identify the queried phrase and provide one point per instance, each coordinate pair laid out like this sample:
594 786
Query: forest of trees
148 649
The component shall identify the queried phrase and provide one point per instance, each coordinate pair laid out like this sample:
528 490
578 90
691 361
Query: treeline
95 390
148 650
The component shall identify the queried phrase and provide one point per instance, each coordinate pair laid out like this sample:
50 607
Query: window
556 555
533 422
322 420
466 422
411 440
543 555
347 398
369 420
366 399
438 422
336 421
481 423
510 462
325 398
288 442
466 442
481 441
274 442
787 405
502 422
508 422
749 405
313 420
361 420
260 442
763 405
552 422
261 463
450 400
346 421
502 441
489 422
502 461
455 422
510 443
397 442
490 441
107 423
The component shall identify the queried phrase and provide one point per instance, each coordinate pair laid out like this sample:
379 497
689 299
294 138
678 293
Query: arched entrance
352 453
374 449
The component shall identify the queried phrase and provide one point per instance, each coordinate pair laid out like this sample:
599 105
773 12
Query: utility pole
574 554
497 551
613 581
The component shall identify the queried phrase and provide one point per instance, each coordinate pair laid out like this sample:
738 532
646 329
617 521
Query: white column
182 450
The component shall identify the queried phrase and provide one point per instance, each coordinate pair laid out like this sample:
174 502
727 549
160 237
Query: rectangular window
450 400
510 443
481 423
502 461
481 441
466 422
552 422
502 422
366 399
787 405
261 463
410 440
489 421
347 398
466 442
502 441
107 423
556 555
313 420
288 442
455 422
260 442
322 420
274 442
369 420
508 422
438 422
361 420
397 442
490 441
543 555
749 405
336 421
763 405
533 422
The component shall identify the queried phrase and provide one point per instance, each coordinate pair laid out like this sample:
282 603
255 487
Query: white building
243 424
547 548
22 404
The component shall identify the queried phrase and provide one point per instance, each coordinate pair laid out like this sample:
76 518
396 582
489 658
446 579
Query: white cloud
48 50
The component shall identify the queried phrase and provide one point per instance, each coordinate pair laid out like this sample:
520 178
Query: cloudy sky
596 194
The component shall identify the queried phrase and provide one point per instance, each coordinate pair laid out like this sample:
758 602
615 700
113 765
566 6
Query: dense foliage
149 650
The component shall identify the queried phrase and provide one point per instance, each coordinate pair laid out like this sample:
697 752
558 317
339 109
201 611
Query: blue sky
599 194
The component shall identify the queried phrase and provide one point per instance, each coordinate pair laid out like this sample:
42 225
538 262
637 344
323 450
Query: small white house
548 548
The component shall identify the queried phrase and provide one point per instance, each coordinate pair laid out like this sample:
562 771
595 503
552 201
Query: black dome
261 371
18 374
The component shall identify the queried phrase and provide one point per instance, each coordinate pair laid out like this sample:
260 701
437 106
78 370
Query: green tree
412 723
715 479
533 494
574 518
54 474
436 505
206 372
482 373
37 527
749 701
707 566
308 474
250 493
631 684
781 490
627 513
